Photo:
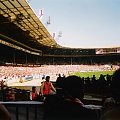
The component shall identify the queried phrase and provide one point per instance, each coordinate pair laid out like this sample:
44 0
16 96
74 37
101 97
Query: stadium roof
23 29
20 14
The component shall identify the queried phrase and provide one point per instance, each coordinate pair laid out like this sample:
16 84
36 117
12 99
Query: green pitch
90 74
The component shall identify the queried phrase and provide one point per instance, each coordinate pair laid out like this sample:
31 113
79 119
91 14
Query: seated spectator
4 114
35 94
9 95
69 105
47 87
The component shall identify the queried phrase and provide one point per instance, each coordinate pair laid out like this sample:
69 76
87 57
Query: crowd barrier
25 110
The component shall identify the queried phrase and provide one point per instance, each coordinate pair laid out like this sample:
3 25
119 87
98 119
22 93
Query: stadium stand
22 33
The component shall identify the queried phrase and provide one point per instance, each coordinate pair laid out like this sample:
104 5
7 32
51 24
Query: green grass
90 74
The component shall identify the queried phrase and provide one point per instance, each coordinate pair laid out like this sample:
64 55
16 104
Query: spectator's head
33 89
113 114
47 78
109 103
116 76
59 82
73 86
59 75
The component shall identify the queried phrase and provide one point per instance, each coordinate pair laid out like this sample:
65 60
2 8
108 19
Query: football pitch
90 74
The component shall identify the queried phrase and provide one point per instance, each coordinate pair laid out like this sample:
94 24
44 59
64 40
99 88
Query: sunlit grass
90 74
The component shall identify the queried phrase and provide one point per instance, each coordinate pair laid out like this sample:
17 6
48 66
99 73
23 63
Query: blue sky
83 23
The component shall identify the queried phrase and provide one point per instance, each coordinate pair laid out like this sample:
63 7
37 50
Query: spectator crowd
67 98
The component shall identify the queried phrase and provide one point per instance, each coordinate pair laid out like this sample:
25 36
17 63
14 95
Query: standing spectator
2 84
59 85
115 85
